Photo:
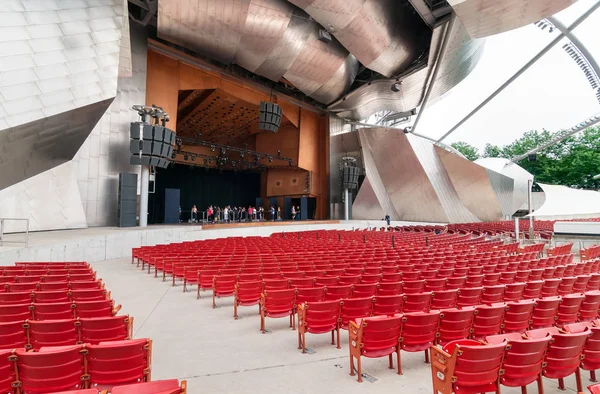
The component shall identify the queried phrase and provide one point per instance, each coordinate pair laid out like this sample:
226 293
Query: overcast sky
553 94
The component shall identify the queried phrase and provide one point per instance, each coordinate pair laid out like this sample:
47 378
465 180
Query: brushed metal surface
484 18
462 56
474 185
520 176
504 188
384 35
271 38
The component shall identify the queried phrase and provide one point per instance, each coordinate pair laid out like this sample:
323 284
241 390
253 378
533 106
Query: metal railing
3 229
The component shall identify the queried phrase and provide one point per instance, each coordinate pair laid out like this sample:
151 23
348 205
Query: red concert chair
438 284
310 294
326 281
354 308
466 366
12 335
52 333
170 386
517 317
7 371
119 362
10 313
348 280
101 308
566 285
364 290
389 288
581 283
563 357
26 287
533 289
337 292
54 286
544 312
590 306
568 310
277 304
318 318
456 282
493 294
301 282
105 329
85 295
387 305
487 321
491 279
85 285
15 298
50 370
591 349
246 294
523 363
419 332
54 311
469 296
224 286
420 302
444 299
550 287
455 324
514 291
276 284
374 337
370 278
413 286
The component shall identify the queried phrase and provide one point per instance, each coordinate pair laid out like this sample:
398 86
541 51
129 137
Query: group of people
228 214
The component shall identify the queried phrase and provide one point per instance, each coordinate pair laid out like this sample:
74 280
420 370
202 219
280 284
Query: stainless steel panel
473 185
384 35
461 57
366 204
504 188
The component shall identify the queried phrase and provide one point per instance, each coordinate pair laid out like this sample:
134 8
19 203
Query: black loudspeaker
127 200
350 177
270 116
532 157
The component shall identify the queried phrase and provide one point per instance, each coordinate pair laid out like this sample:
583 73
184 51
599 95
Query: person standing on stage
209 214
225 213
298 212
272 212
278 213
250 212
293 212
218 215
194 214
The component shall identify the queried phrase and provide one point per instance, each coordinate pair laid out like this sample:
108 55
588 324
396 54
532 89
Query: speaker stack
155 143
270 116
350 177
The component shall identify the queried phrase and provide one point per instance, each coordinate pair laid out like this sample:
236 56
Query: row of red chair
52 369
23 297
52 264
32 334
52 286
19 271
170 386
592 252
559 250
516 360
58 310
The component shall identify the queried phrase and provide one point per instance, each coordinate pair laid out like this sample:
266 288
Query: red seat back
10 313
523 361
279 303
119 362
380 335
319 317
12 336
310 294
477 368
387 305
419 302
100 308
338 292
419 330
104 329
455 324
248 293
544 312
564 354
488 320
355 308
54 311
518 316
54 369
444 299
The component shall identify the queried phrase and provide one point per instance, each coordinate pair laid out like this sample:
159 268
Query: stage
107 243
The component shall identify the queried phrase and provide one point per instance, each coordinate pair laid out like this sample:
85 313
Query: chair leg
338 338
523 389
359 369
214 304
332 339
399 361
578 380
235 315
198 292
293 322
561 384
262 324
426 356
300 341
184 285
592 376
351 365
391 363
540 385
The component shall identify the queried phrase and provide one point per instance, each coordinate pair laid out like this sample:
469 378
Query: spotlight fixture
324 36
210 160
193 157
258 157
212 148
278 153
223 151
185 157
173 155
396 86
290 163
242 153
233 163
270 159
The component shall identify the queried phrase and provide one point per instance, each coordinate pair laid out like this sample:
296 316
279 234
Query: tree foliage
467 150
571 162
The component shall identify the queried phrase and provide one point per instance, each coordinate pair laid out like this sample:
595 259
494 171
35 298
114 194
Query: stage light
185 157
270 159
193 157
324 36
173 155
233 163
212 148
210 160
290 163
242 153
258 157
396 86
223 151
278 153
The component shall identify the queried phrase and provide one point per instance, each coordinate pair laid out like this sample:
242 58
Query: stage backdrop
203 188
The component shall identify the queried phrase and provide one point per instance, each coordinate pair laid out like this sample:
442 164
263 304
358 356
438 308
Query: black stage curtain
203 188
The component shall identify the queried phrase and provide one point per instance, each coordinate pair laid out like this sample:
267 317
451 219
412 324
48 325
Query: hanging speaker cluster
350 177
270 116
154 142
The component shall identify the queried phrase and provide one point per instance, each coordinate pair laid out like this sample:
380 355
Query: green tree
492 151
467 150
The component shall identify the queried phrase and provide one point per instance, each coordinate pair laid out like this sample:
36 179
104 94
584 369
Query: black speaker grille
270 116
350 177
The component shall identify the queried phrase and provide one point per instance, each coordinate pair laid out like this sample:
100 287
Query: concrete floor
217 354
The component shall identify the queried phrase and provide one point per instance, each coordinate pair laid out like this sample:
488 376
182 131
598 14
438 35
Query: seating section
590 253
59 331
